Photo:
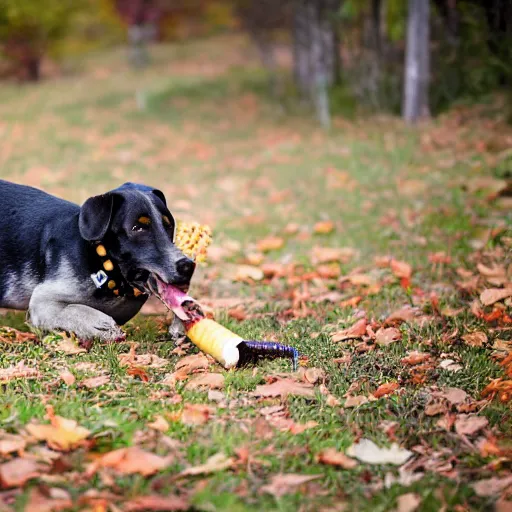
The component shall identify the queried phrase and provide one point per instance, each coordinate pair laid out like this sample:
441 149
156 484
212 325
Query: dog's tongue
173 298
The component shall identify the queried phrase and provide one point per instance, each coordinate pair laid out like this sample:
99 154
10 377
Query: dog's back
26 215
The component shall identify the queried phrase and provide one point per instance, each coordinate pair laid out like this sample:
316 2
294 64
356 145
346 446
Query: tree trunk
139 36
301 46
33 68
417 65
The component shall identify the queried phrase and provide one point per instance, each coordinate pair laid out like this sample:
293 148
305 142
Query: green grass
222 151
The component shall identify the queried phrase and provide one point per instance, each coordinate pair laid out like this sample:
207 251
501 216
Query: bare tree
417 65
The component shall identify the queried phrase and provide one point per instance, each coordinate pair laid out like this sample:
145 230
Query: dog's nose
185 268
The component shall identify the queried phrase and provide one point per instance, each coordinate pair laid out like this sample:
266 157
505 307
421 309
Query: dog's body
50 263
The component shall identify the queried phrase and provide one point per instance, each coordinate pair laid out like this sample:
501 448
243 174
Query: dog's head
137 228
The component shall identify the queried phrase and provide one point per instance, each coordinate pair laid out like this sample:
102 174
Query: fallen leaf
313 375
155 502
51 500
291 228
333 457
19 371
11 335
367 451
271 243
62 434
492 295
492 486
355 401
195 414
69 346
159 423
414 358
386 336
386 389
469 425
206 381
357 330
454 395
215 463
248 272
406 314
450 365
324 227
131 460
330 254
328 271
285 387
18 471
475 339
192 363
95 382
286 483
408 502
67 377
501 388
10 443
401 269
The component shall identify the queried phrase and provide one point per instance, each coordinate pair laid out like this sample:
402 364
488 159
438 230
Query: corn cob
193 240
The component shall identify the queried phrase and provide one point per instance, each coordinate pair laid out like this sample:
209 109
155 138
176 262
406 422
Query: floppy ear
95 215
160 195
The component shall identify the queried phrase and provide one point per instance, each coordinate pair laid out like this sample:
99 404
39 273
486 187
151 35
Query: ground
419 223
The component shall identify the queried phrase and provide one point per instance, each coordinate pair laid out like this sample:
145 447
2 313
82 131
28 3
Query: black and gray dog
85 269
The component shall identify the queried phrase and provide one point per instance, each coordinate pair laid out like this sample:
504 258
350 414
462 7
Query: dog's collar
109 280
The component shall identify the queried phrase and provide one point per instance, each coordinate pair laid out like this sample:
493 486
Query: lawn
366 247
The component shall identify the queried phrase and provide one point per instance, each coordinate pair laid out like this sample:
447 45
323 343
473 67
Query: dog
86 270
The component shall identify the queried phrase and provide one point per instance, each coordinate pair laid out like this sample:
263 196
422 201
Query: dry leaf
367 451
67 377
285 484
401 269
492 295
386 336
248 272
332 254
454 395
10 443
19 371
206 381
333 457
414 358
51 500
18 471
357 330
95 382
128 461
406 314
469 425
160 424
355 401
271 243
408 502
313 375
196 414
285 387
324 227
475 339
328 271
155 502
492 486
62 434
192 363
11 335
215 463
386 389
70 347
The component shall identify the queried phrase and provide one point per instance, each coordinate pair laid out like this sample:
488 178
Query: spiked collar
109 280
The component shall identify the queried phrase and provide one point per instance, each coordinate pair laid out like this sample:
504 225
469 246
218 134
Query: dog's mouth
172 295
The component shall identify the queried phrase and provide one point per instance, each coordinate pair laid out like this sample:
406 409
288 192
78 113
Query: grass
225 154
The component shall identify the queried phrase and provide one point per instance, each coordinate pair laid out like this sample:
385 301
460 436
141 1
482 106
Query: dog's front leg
85 322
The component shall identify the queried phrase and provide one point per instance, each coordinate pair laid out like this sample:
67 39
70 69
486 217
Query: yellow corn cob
216 340
193 240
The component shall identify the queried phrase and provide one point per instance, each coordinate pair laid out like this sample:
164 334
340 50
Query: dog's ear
160 195
143 188
95 216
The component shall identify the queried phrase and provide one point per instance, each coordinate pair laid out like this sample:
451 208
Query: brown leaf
128 461
67 377
332 457
62 434
386 389
10 443
157 503
469 425
196 414
160 424
401 269
332 254
206 381
355 401
19 371
271 243
492 486
215 463
408 502
357 330
192 363
11 335
324 227
95 382
69 346
328 271
492 295
313 375
454 395
415 357
286 483
406 314
51 500
386 336
285 387
18 471
248 273
475 339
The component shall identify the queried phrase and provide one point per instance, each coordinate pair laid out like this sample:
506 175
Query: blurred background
266 117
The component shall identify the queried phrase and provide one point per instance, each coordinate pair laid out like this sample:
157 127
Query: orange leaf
271 243
386 389
332 457
401 269
137 371
415 357
324 227
357 330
